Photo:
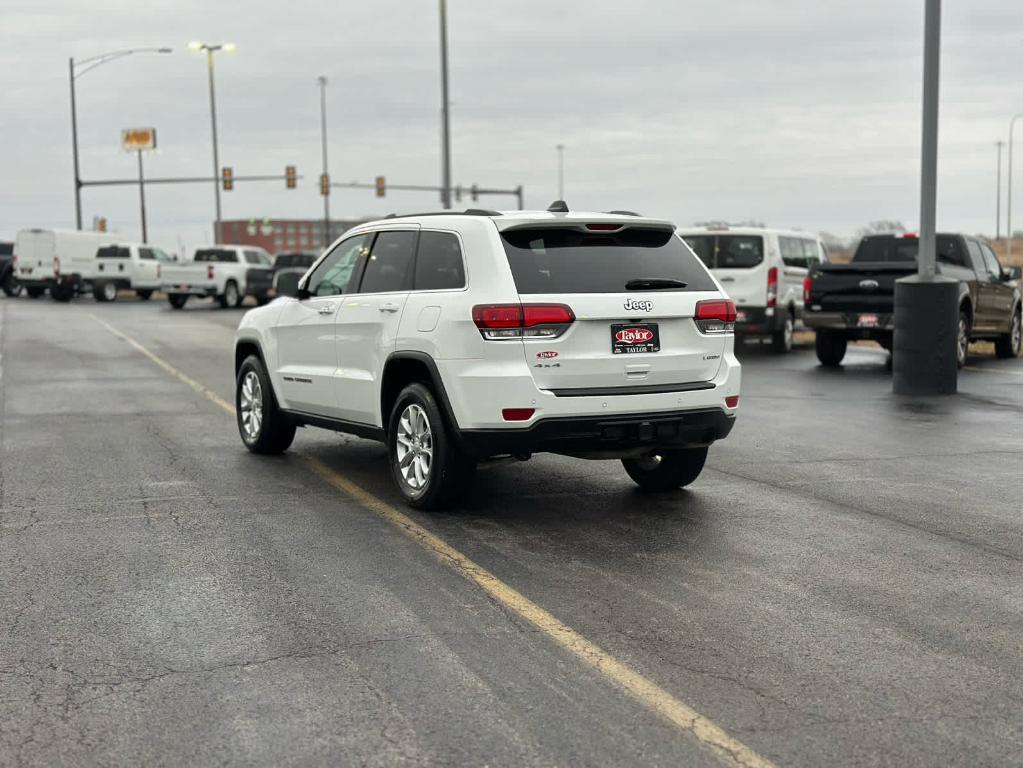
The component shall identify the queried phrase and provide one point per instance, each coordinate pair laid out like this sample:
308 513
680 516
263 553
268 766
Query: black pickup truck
8 281
845 302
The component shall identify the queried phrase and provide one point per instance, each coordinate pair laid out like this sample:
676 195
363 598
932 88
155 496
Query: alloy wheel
251 404
414 447
1017 333
109 291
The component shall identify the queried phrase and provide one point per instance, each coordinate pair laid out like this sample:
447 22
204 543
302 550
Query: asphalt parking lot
842 586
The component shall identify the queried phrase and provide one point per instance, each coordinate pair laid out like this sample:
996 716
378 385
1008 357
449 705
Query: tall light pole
1008 183
210 49
561 171
445 116
323 140
75 70
930 334
998 192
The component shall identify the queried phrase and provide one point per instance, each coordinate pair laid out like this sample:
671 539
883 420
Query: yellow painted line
204 391
992 370
731 751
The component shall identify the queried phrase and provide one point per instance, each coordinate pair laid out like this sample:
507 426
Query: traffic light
227 176
381 186
475 192
290 180
325 184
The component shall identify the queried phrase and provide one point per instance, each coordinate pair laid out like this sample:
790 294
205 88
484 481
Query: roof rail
623 213
466 212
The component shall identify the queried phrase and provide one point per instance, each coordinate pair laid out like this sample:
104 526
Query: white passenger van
60 261
762 270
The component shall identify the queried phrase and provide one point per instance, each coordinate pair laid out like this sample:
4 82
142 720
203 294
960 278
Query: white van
128 266
762 271
62 261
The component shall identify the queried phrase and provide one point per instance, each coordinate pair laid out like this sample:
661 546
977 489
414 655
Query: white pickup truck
128 266
227 273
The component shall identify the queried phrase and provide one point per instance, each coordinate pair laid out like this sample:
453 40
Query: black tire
34 291
830 348
144 294
448 470
666 470
177 300
62 292
1009 345
230 298
105 290
963 338
781 340
12 288
263 427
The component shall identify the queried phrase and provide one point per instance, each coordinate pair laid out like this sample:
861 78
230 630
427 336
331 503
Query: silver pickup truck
227 273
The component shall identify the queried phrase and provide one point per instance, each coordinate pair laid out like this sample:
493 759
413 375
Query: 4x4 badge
646 306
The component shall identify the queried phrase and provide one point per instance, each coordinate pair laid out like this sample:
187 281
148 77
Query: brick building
277 235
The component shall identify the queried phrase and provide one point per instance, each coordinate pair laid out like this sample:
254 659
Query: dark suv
8 281
856 300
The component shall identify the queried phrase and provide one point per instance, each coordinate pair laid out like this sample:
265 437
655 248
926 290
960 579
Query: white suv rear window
570 260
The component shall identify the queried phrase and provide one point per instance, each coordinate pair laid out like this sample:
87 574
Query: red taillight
715 315
772 287
603 227
807 289
14 258
209 271
517 414
732 401
906 235
56 266
516 321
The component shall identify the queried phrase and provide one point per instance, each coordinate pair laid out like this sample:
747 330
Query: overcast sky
798 113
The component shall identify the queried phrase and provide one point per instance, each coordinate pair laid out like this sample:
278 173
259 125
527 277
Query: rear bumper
849 322
604 436
757 321
190 290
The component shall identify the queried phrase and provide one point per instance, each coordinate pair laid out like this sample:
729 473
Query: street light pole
445 116
998 192
210 50
74 145
1008 184
216 148
561 171
323 140
88 64
930 333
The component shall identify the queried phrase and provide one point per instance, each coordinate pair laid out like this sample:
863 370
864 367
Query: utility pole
323 140
929 335
1008 184
142 198
998 193
445 111
216 149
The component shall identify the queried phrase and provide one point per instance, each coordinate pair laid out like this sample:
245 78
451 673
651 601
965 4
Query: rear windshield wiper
653 283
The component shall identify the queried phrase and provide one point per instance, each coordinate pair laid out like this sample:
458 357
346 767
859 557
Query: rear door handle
389 307
727 279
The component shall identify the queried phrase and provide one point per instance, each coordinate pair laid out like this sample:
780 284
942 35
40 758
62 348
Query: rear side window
113 252
728 251
885 248
549 260
389 267
439 263
218 255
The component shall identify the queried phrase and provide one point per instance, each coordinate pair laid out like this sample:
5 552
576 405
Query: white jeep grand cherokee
457 337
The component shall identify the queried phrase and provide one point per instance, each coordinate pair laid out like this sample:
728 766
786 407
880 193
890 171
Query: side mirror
302 293
1013 273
